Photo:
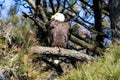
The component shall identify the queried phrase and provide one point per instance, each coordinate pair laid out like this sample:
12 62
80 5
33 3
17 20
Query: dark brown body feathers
58 33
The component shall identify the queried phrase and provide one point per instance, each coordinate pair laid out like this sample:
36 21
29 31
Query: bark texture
114 7
60 52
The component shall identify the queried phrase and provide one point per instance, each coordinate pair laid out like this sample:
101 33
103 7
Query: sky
8 4
5 8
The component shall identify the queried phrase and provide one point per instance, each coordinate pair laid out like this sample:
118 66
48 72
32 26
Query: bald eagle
58 31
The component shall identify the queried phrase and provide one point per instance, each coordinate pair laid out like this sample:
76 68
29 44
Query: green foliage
107 68
23 37
22 34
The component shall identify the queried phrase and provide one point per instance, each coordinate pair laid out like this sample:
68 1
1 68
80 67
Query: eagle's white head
59 17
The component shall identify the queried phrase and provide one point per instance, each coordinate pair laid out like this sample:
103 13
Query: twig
52 6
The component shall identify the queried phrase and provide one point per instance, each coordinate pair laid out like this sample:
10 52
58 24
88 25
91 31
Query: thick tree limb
86 45
60 52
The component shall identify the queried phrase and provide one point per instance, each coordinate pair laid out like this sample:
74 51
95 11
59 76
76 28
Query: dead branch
60 52
86 45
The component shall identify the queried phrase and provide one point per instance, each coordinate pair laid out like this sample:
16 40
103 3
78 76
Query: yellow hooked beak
53 17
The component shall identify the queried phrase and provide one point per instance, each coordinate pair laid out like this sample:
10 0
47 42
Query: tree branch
32 4
86 45
37 2
59 7
42 12
104 10
52 6
45 6
60 52
37 23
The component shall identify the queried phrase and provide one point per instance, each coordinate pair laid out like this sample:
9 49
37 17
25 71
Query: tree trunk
98 22
114 6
